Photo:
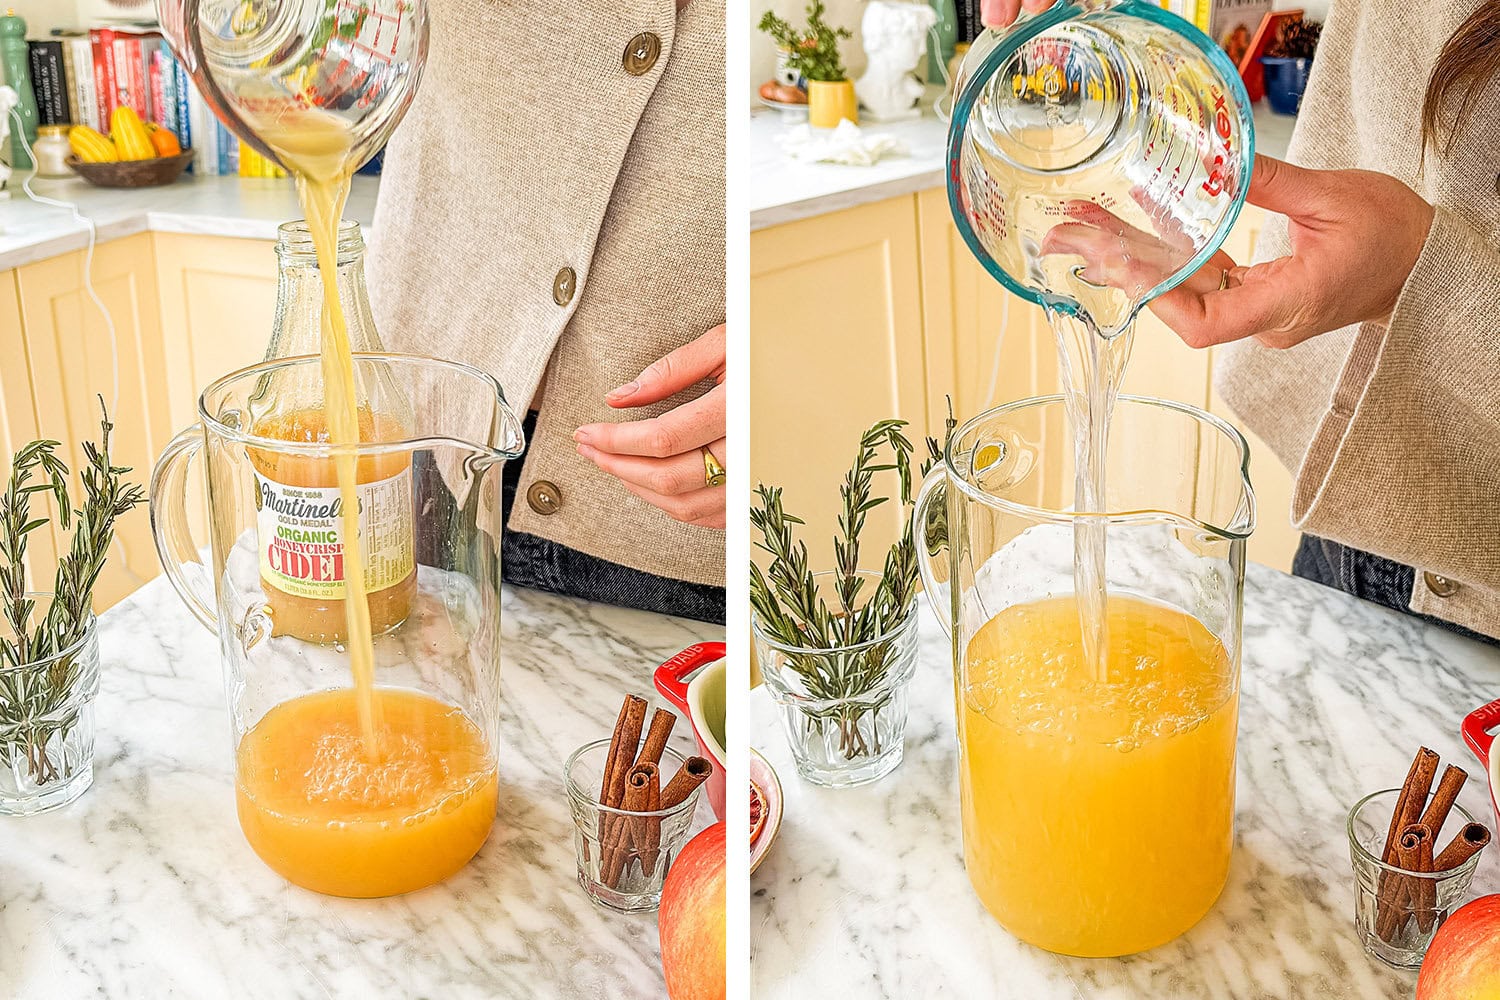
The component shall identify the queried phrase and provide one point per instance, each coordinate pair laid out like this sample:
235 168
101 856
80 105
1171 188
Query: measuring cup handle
671 677
1476 727
169 528
929 532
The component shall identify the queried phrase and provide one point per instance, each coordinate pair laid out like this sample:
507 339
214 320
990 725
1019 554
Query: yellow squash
90 146
131 140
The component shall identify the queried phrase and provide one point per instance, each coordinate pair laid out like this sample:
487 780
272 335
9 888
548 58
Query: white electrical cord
88 287
88 256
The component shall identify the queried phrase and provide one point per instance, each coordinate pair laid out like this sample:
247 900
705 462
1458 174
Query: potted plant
49 656
838 649
814 53
1287 62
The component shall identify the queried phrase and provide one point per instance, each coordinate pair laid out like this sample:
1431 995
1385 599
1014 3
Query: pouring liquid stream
317 150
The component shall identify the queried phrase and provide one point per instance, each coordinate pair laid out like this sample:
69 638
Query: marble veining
145 888
864 893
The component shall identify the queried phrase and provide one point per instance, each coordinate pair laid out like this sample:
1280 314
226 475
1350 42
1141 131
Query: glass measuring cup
1099 153
1098 805
320 805
266 64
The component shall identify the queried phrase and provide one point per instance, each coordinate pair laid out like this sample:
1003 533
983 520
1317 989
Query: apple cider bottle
299 511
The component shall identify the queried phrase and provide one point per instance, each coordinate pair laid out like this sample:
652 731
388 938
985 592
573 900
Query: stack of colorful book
80 77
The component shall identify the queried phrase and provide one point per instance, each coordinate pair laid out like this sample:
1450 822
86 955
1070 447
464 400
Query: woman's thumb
1285 188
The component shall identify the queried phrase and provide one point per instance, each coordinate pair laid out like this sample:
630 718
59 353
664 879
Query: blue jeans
1365 575
540 564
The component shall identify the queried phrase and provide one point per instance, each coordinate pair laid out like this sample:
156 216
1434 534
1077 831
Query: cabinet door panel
72 365
836 344
18 426
218 300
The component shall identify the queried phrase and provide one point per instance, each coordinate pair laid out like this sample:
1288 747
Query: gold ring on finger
713 472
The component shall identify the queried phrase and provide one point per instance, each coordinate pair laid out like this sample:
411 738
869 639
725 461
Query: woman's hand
659 459
1001 13
1355 237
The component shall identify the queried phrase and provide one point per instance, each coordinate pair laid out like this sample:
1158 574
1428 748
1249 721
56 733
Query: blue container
1286 79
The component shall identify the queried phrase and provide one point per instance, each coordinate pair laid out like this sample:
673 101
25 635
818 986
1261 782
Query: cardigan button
1440 586
563 286
641 53
544 497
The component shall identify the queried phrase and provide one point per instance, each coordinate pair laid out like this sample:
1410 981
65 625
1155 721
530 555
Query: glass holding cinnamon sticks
629 820
1414 851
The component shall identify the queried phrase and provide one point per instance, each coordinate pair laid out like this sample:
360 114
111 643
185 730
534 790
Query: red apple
1463 962
691 919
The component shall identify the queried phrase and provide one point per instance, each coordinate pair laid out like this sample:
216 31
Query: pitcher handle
1477 725
929 533
670 676
169 528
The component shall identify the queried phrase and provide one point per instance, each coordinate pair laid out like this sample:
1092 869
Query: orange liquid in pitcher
328 816
321 618
1098 811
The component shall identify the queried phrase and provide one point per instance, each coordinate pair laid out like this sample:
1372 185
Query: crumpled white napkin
848 144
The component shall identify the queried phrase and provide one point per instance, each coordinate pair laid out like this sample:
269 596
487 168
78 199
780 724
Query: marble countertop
783 190
246 207
145 888
864 892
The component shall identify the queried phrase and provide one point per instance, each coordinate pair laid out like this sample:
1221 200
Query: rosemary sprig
34 705
787 603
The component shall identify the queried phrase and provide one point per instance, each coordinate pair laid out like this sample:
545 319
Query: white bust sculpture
895 37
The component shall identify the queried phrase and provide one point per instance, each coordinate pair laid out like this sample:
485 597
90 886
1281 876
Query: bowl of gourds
135 154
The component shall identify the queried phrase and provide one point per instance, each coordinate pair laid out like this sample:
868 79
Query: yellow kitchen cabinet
218 300
18 426
836 344
70 363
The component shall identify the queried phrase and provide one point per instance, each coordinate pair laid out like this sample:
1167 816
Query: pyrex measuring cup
1098 804
262 62
413 807
1103 139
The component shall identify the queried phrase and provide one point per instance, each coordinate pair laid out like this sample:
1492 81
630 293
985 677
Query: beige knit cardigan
1393 431
530 149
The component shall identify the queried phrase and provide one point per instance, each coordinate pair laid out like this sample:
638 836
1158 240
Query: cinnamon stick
652 849
1442 800
628 835
1393 907
1413 797
622 744
662 722
1424 890
1408 810
1469 842
622 747
693 772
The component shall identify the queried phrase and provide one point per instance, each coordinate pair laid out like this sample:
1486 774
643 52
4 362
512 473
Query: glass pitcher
329 804
261 64
1098 801
1099 153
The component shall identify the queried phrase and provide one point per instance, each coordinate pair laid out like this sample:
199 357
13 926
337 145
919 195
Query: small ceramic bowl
764 776
133 173
1476 730
703 700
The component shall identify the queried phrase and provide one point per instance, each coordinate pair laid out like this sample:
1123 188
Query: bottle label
301 535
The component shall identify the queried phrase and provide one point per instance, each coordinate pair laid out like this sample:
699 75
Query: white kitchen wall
848 14
42 16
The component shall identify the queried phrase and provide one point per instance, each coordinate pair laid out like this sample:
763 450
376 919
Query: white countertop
145 888
864 892
784 190
246 207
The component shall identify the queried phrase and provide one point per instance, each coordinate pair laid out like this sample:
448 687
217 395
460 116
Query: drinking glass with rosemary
838 648
49 656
